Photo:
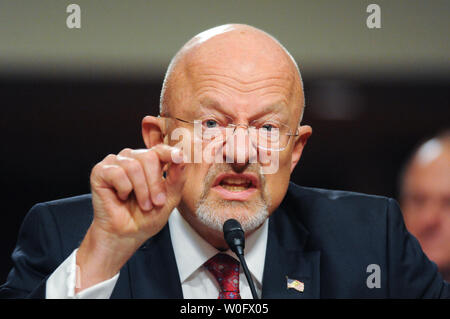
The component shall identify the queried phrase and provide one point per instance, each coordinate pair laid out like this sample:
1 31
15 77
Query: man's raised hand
132 202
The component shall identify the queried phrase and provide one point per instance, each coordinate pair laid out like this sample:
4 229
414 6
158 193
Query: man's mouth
236 186
236 182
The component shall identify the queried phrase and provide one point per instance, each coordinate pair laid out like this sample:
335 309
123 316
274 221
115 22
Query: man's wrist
101 256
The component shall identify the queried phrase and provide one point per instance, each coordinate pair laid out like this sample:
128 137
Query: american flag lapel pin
295 284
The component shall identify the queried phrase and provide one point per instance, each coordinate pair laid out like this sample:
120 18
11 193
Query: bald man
227 139
425 199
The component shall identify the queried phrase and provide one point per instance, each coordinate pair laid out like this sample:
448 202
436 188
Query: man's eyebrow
208 103
278 107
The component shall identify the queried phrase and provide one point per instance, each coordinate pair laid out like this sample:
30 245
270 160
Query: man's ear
153 130
304 132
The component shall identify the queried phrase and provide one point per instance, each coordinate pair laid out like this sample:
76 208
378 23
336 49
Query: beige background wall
139 37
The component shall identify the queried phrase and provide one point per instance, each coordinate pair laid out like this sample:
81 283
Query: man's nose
238 148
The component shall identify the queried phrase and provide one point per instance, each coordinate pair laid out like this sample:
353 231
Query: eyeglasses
268 134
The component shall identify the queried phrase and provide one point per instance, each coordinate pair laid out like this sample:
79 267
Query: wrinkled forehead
240 77
246 61
245 53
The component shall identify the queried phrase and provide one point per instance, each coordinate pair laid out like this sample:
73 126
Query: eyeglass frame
235 126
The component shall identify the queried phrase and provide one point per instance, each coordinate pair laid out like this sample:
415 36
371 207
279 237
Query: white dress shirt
191 252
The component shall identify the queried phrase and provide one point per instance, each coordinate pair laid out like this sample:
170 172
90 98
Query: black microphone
234 236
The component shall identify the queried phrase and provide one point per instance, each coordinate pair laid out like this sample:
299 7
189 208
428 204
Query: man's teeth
235 184
234 188
236 181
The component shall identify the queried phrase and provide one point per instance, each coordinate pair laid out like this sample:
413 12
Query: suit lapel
153 271
286 257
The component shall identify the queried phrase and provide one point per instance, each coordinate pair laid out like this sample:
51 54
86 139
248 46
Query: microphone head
234 236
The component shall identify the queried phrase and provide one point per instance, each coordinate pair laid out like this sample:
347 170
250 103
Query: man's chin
214 213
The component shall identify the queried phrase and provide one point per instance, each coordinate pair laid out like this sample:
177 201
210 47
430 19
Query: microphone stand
247 275
234 236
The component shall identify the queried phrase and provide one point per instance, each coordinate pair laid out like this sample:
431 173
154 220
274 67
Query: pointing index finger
168 154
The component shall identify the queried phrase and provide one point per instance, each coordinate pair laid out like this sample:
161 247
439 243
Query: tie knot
226 271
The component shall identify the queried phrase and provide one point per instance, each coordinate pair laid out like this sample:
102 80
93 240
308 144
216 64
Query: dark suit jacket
326 239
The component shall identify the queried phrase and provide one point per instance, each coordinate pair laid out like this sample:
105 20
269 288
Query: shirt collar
192 251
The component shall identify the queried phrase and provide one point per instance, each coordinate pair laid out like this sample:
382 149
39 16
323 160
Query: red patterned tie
226 270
